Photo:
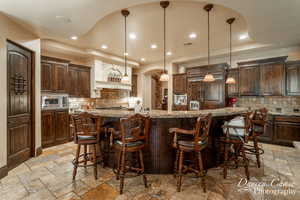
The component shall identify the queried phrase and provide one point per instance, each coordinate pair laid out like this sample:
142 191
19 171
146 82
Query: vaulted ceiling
99 22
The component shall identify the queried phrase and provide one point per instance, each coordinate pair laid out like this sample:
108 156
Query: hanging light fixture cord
125 54
164 39
208 33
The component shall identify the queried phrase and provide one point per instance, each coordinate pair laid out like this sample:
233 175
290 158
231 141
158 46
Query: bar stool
133 138
258 128
236 133
196 144
87 134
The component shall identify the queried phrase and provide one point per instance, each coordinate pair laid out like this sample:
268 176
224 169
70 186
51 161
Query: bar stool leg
95 161
85 156
76 161
179 177
201 170
256 151
245 162
176 163
118 165
122 171
226 149
143 168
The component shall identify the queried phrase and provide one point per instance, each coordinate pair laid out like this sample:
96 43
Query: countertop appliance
55 101
231 102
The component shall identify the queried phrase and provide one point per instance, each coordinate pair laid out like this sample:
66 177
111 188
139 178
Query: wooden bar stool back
198 142
133 138
87 134
236 134
258 128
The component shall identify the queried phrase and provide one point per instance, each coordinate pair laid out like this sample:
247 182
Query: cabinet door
194 91
293 80
62 126
249 81
272 79
233 89
48 128
213 95
46 74
134 86
73 81
179 83
84 83
59 79
286 133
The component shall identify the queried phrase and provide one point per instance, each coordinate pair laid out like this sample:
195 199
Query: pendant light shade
230 80
164 76
125 78
208 77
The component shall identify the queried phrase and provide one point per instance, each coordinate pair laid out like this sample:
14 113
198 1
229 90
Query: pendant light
230 80
125 78
164 76
208 77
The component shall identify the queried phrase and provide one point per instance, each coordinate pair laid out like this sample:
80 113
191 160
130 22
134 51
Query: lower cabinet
282 130
55 127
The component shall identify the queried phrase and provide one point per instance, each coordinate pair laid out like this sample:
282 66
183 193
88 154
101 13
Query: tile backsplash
274 104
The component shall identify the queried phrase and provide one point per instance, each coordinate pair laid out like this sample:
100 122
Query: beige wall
14 32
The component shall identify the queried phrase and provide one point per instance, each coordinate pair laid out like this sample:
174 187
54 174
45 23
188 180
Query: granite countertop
172 114
285 113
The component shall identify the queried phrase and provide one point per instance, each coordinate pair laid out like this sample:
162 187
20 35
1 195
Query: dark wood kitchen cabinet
293 78
269 132
233 89
249 80
179 83
287 130
134 83
79 76
55 127
213 93
193 90
54 75
272 79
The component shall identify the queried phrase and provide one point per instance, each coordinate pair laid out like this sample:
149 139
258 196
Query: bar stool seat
87 139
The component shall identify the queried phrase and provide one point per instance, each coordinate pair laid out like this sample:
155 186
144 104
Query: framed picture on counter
180 99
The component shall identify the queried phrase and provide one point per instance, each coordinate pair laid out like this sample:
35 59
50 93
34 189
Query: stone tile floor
49 176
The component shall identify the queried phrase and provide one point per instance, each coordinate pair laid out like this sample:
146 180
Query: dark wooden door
61 126
48 128
272 79
233 89
19 134
293 79
59 78
249 80
46 74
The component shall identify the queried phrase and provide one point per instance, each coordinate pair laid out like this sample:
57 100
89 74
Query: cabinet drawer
291 119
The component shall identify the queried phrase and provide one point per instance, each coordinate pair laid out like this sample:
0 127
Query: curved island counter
159 156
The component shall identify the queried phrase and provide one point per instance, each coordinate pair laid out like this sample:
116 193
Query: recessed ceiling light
243 36
169 53
143 59
104 46
74 37
125 54
153 46
132 36
193 35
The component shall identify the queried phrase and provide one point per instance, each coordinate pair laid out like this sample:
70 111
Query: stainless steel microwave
55 101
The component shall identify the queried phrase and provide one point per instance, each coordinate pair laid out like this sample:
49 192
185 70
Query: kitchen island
159 156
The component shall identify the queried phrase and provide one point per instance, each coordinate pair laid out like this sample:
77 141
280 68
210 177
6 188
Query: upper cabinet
53 75
233 89
262 77
249 81
134 85
179 83
293 78
272 79
79 76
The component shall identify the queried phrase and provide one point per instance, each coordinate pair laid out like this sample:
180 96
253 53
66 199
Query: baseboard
3 171
39 151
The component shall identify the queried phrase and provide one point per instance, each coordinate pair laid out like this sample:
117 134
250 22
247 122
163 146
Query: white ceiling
98 22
